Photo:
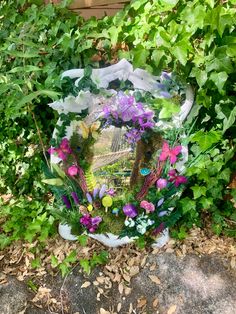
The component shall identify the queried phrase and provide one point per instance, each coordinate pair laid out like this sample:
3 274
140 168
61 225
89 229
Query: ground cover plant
195 39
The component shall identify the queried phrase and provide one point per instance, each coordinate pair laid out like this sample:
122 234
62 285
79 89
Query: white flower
141 229
129 223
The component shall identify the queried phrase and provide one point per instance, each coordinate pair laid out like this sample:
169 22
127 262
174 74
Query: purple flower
130 210
174 177
66 201
161 183
133 136
165 94
160 202
95 192
111 192
90 223
102 191
62 151
89 198
159 229
75 197
166 75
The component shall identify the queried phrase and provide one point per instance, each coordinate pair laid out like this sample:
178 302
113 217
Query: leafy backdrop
195 39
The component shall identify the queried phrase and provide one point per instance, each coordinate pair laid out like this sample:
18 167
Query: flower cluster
123 109
90 223
62 151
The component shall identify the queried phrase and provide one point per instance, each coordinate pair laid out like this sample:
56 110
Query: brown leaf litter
124 264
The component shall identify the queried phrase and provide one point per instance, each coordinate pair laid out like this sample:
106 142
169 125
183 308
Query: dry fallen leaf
172 309
102 311
120 288
86 284
155 279
233 262
118 307
155 302
141 303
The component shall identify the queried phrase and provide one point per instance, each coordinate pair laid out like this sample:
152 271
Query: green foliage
88 264
25 219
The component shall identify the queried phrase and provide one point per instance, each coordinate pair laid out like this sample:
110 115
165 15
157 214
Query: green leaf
200 75
71 258
140 55
64 269
36 263
83 240
85 264
28 98
180 51
58 170
206 139
54 261
206 202
219 79
198 191
27 68
224 175
56 182
187 205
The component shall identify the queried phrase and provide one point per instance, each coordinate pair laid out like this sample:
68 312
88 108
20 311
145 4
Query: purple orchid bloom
133 136
62 151
90 223
174 177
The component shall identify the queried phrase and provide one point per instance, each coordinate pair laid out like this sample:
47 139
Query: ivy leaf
180 51
140 56
85 264
206 202
200 75
206 139
224 175
198 191
187 205
219 79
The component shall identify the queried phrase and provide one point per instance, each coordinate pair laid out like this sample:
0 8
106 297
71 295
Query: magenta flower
130 210
159 229
171 153
161 183
90 223
149 207
73 170
174 177
111 192
62 151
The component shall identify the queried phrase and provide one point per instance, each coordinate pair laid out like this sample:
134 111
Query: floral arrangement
85 200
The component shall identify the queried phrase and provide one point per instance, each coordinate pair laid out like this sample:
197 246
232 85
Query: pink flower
149 207
73 170
171 153
161 183
176 179
62 151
